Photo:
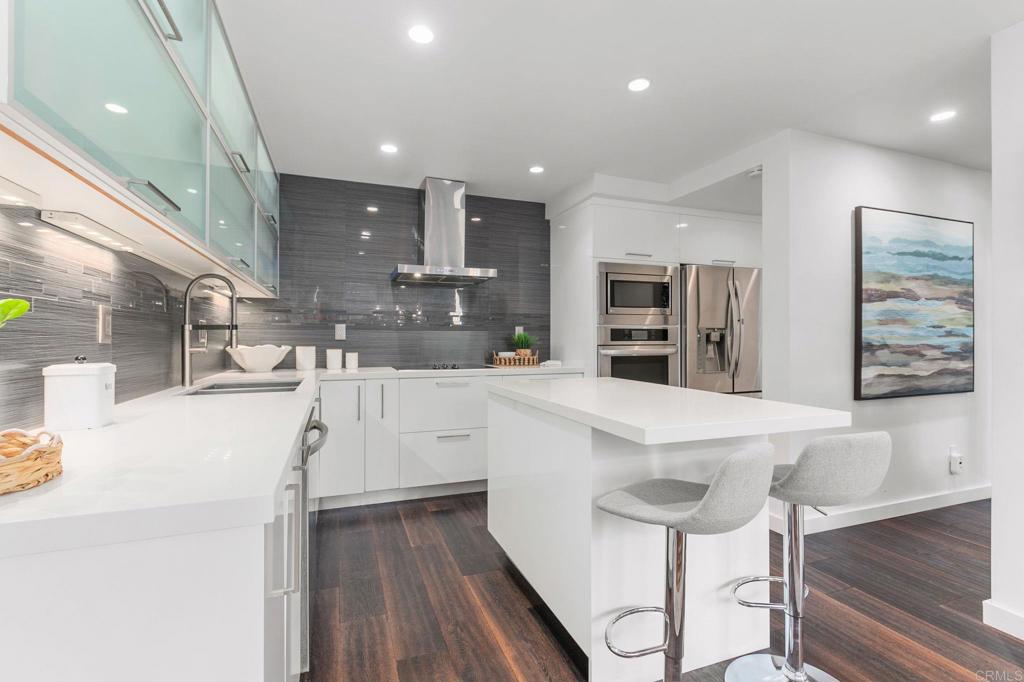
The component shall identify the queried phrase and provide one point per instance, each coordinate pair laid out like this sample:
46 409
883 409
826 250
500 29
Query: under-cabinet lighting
87 228
13 194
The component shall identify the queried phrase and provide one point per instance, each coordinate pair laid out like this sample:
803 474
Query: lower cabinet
382 406
436 457
342 461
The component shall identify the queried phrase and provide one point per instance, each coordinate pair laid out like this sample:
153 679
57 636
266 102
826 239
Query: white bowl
259 358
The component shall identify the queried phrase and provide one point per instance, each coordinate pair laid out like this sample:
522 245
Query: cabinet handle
155 190
240 163
451 384
359 402
241 261
294 560
175 34
455 436
641 255
271 218
382 402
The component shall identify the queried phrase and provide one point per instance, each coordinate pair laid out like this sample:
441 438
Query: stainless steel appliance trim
604 335
653 279
637 351
669 351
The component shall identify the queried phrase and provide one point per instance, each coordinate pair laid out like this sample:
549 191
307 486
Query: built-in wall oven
638 322
638 295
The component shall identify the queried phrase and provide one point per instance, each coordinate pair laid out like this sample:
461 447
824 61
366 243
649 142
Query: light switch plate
339 332
103 324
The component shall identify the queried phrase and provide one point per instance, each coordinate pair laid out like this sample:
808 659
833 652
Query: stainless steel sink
234 388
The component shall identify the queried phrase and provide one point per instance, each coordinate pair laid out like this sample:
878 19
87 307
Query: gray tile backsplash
65 278
331 272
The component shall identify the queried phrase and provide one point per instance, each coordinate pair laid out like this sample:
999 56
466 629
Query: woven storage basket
28 460
517 361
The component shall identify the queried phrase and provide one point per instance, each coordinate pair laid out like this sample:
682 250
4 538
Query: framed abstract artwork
914 322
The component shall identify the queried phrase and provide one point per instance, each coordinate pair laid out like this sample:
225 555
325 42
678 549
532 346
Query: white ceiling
506 85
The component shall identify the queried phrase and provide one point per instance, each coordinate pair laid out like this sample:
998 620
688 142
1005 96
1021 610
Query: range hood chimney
444 240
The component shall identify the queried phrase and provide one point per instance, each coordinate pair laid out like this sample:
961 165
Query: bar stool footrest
623 653
775 606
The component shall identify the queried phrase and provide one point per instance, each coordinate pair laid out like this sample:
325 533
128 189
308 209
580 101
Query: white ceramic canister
305 357
335 357
78 395
351 360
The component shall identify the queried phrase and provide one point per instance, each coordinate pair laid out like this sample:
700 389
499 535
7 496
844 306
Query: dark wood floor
419 591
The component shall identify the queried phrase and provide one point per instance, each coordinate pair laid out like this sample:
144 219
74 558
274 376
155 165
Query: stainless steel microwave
638 294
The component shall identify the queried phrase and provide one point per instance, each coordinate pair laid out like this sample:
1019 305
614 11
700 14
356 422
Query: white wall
827 178
1005 609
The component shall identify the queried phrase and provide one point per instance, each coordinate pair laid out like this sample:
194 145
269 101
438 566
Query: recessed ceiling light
115 108
536 169
26 224
638 84
371 209
421 34
192 190
682 224
388 148
940 116
475 219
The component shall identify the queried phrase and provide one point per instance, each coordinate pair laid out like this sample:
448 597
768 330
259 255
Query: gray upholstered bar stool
830 471
735 495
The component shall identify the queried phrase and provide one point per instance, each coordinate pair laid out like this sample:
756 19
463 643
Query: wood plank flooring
419 592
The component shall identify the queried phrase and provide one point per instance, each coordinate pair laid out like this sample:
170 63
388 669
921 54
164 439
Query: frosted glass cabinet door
230 106
185 25
98 75
267 193
266 253
232 213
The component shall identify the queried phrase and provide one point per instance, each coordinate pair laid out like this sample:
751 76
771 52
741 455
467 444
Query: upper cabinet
109 88
147 95
639 235
230 105
185 25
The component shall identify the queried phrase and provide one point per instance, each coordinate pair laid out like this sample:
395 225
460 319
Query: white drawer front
441 403
443 457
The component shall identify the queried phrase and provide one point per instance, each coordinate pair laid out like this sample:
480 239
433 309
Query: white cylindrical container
305 357
351 360
334 358
78 395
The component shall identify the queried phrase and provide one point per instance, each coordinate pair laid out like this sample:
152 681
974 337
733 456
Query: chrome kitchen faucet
186 329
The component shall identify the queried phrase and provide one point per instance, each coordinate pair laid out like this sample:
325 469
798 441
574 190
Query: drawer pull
640 255
455 436
451 384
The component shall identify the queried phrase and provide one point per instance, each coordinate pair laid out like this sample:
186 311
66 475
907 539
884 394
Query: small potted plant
524 344
12 308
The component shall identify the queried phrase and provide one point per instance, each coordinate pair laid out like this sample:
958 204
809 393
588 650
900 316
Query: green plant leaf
12 308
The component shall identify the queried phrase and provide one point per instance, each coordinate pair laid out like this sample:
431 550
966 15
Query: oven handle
637 351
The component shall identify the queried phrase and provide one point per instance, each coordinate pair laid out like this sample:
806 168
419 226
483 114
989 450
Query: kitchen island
554 447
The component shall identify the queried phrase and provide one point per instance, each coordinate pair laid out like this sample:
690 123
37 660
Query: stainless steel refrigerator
722 328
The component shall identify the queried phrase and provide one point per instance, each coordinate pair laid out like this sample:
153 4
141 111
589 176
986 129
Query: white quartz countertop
652 413
173 463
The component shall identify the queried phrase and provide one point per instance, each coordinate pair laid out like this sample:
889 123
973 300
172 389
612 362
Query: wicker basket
28 460
517 361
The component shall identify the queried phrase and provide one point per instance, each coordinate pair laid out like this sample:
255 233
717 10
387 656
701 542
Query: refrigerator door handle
735 328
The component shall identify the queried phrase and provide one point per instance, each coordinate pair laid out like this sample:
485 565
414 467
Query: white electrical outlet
956 461
339 332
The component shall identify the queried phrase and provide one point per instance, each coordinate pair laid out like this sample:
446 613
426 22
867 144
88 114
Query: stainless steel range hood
444 240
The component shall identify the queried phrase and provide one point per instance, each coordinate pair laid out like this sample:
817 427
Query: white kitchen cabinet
436 457
636 234
439 403
382 424
342 461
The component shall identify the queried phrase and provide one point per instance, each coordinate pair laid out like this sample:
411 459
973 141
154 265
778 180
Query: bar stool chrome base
769 668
